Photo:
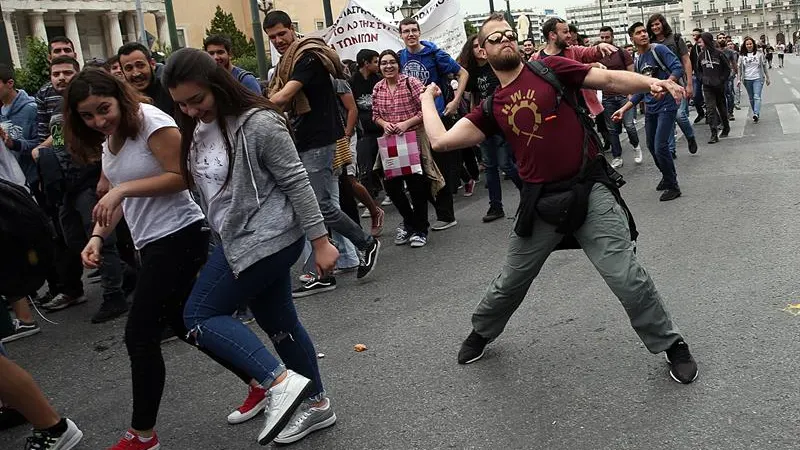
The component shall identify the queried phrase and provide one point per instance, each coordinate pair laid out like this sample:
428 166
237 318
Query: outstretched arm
631 83
463 134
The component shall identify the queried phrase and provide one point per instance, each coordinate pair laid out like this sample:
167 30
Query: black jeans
169 268
347 199
415 214
469 168
366 153
716 107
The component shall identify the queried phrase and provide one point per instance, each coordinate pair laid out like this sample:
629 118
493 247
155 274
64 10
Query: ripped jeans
214 298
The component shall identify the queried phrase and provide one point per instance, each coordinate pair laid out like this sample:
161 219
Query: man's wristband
102 239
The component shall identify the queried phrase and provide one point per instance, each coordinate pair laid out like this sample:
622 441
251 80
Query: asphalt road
568 373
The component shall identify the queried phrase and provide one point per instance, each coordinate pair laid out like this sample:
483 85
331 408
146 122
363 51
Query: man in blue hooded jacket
430 64
18 122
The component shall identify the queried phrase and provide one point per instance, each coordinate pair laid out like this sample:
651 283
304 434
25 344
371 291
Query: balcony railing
727 9
713 10
697 12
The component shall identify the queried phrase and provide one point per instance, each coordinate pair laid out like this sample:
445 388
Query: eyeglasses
497 37
388 63
407 32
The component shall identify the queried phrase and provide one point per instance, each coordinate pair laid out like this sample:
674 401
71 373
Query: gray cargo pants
605 238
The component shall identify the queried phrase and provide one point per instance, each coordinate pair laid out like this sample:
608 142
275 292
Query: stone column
114 32
37 24
130 25
71 29
12 43
163 29
139 27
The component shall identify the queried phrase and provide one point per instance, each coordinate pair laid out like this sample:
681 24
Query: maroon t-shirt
547 144
619 60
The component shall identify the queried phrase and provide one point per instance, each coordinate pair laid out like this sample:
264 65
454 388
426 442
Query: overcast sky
482 6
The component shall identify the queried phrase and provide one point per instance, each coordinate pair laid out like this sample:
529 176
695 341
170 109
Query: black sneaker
755 118
168 334
368 259
315 286
10 418
725 132
494 213
683 369
692 145
714 138
110 310
45 440
730 116
40 300
472 348
22 330
670 194
661 185
674 155
699 118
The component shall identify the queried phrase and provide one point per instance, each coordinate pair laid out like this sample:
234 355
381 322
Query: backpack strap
659 62
242 75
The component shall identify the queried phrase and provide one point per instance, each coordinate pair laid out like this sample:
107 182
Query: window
728 4
745 4
696 6
713 24
746 21
698 24
320 25
712 5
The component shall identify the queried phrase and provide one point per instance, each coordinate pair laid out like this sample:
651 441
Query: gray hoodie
272 203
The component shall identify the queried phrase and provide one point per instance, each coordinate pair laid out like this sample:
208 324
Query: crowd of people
191 188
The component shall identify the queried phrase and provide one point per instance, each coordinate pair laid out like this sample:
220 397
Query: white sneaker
637 155
284 398
386 201
616 163
366 214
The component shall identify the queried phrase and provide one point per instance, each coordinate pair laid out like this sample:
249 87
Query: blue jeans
683 121
610 105
496 156
319 165
215 297
754 88
699 101
659 127
730 89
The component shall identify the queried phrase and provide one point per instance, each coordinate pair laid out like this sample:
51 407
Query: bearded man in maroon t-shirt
547 138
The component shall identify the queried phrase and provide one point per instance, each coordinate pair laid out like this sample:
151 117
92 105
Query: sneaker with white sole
315 286
368 259
402 236
617 162
62 301
22 330
441 225
255 402
418 240
284 398
306 420
386 201
44 440
366 214
637 155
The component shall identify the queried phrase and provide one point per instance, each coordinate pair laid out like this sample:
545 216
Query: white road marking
789 117
786 80
795 93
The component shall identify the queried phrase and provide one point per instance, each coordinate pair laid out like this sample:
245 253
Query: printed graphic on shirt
523 115
415 69
649 71
209 162
13 131
57 130
364 102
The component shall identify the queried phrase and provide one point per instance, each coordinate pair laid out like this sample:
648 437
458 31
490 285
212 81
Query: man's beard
505 62
561 44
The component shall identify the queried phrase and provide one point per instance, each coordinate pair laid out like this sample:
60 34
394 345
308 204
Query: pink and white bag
400 154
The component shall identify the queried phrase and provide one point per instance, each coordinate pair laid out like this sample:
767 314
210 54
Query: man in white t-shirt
781 48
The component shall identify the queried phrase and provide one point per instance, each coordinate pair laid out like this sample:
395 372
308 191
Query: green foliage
470 28
248 63
223 23
36 71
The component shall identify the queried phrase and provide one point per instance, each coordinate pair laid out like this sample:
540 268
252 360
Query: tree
223 23
36 71
470 28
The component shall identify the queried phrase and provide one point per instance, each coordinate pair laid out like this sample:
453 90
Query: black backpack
545 73
26 239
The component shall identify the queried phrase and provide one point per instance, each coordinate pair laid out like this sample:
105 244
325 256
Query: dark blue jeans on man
496 156
730 90
612 104
659 127
699 101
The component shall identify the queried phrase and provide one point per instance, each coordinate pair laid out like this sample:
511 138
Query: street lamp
409 9
392 9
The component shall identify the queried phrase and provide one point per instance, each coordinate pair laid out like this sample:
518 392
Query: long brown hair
231 98
743 48
83 142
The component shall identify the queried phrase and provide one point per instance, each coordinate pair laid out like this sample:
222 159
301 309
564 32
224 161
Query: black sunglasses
497 37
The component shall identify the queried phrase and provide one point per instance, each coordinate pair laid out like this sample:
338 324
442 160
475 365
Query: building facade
619 14
528 21
773 22
97 27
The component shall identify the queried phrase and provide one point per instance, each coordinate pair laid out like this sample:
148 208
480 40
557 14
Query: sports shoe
441 225
368 258
132 441
42 299
469 188
306 420
670 194
10 418
284 398
725 132
755 118
472 348
366 214
674 155
386 201
43 440
637 155
418 240
661 185
62 301
245 316
307 277
494 213
402 237
699 118
255 402
315 286
616 163
168 334
110 310
683 369
692 145
22 330
730 116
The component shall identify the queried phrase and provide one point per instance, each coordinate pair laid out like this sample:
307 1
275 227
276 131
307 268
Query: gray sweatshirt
272 203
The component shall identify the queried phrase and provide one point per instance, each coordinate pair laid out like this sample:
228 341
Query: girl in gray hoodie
240 161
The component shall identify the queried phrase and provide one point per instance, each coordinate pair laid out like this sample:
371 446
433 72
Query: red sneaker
132 441
255 402
469 188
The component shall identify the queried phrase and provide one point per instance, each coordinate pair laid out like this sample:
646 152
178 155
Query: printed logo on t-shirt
57 130
13 131
417 70
523 114
483 85
364 102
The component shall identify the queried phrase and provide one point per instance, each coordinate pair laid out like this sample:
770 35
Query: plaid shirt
48 102
400 105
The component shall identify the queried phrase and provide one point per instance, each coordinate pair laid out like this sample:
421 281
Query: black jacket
713 68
